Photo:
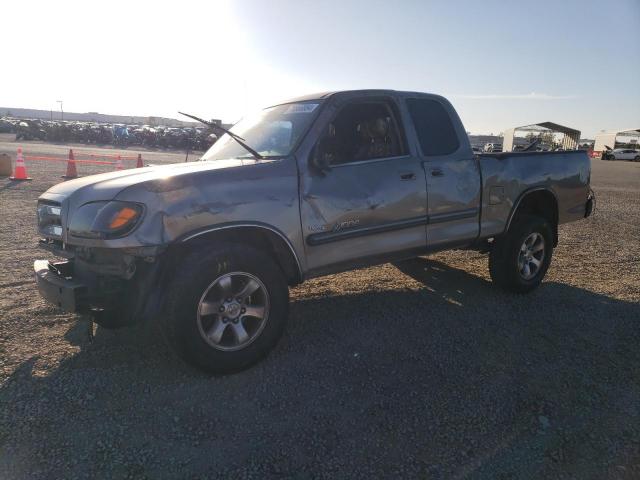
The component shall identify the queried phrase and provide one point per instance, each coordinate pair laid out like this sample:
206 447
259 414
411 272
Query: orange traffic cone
139 164
20 172
72 172
119 163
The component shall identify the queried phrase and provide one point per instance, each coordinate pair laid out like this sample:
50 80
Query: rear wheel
226 308
520 259
636 158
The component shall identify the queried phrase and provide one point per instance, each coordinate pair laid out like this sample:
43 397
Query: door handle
408 176
437 172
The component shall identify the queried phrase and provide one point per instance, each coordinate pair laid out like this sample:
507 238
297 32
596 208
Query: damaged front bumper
113 285
56 285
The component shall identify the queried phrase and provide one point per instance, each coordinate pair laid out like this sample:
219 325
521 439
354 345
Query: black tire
636 158
195 275
503 259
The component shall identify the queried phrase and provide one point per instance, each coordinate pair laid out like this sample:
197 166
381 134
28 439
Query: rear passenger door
452 173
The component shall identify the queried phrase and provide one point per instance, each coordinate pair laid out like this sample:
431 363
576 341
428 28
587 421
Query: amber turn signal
123 217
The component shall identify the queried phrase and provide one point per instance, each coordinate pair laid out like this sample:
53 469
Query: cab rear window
436 133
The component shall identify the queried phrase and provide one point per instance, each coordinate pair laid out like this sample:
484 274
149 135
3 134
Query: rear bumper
56 286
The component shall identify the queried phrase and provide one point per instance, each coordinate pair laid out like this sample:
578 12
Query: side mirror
320 159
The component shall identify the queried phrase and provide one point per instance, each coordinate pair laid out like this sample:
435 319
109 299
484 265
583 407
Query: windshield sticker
301 108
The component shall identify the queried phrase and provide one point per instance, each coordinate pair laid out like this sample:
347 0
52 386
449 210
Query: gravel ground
417 370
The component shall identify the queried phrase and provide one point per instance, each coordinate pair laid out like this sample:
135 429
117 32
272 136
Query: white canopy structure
607 140
569 140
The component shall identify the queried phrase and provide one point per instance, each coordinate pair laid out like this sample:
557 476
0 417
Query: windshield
272 132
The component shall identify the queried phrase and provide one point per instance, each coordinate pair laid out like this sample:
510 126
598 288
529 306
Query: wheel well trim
230 226
514 209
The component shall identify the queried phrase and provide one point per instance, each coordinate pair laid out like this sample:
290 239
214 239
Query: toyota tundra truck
309 187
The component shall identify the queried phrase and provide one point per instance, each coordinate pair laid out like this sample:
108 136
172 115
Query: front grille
49 219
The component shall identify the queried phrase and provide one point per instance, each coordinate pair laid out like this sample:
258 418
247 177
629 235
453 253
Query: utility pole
61 111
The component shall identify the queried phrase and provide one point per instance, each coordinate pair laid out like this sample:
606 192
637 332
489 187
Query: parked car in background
121 135
493 147
5 126
623 154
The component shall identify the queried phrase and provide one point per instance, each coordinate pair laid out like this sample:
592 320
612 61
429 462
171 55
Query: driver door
371 202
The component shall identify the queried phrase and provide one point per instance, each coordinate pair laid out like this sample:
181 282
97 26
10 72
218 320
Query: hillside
92 117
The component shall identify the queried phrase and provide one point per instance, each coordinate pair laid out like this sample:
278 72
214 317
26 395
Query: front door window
360 132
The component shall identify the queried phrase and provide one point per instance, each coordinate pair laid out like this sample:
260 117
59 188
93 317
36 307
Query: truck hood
105 186
183 198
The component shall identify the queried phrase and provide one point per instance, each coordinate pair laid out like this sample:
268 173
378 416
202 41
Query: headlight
105 219
49 223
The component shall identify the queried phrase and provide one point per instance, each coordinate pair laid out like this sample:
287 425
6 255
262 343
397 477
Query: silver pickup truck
316 185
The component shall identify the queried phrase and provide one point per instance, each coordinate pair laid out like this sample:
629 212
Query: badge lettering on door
346 224
336 228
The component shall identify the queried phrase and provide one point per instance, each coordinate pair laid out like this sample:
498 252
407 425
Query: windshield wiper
237 138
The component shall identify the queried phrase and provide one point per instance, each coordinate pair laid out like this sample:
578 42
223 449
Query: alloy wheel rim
531 256
233 311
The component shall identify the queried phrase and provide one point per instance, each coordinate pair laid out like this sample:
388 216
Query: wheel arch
541 201
261 236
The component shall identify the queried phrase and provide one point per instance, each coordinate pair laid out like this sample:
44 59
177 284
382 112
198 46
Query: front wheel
636 158
227 308
520 258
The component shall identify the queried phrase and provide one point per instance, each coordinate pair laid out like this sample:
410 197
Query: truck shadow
451 378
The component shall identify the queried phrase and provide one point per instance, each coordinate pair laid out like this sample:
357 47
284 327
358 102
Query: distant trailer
569 141
606 141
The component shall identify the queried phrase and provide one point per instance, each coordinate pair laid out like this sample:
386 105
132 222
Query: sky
501 63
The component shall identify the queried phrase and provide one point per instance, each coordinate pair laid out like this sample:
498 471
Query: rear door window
436 133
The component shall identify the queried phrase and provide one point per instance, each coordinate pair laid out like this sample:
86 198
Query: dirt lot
422 370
